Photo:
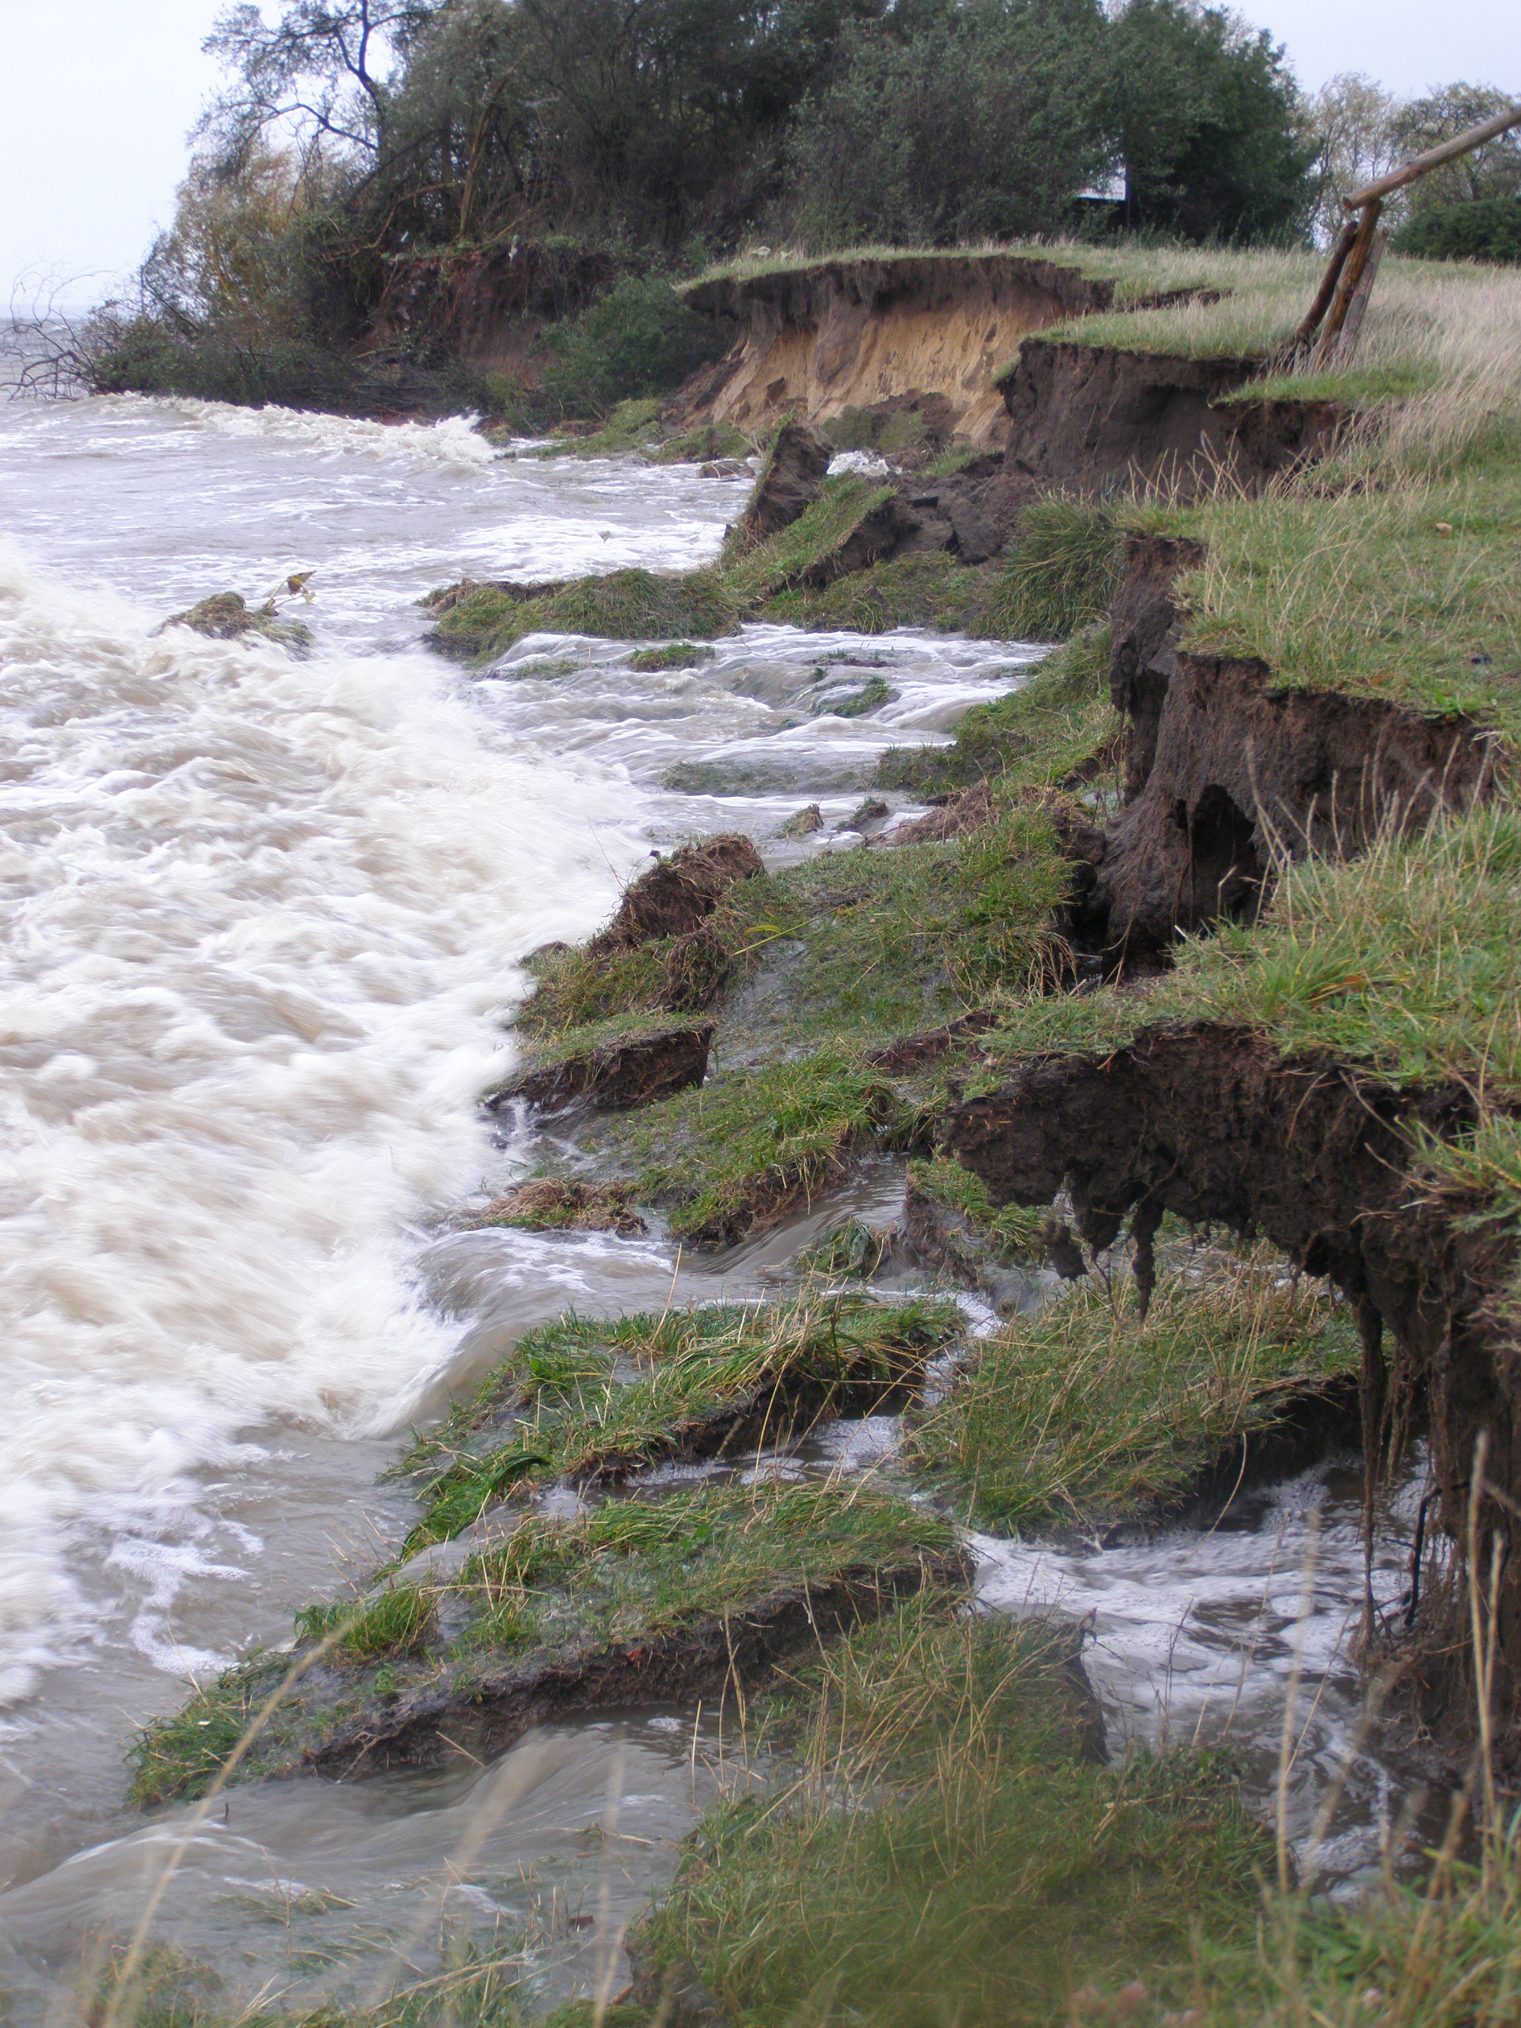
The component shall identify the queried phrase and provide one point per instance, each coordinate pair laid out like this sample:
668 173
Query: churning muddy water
261 928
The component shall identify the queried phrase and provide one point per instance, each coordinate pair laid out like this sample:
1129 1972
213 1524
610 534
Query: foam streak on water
257 921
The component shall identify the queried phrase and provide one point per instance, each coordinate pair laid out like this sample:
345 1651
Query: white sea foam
453 440
257 918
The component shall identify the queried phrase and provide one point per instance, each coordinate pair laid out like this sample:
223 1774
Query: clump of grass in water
1081 1414
483 621
577 1415
938 1840
678 655
737 1149
631 1570
868 945
871 696
398 1621
926 588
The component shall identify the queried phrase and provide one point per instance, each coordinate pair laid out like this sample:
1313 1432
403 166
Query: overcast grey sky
97 96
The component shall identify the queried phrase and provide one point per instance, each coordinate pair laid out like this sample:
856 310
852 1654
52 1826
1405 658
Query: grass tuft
1061 574
935 1843
1081 1415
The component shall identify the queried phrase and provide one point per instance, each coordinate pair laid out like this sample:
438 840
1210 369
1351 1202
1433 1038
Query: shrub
641 339
1487 230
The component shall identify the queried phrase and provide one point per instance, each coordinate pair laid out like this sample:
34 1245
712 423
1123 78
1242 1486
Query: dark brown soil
616 1076
1213 1124
1228 770
789 485
677 893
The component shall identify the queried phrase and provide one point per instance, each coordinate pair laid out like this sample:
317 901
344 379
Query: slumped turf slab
637 1603
589 1402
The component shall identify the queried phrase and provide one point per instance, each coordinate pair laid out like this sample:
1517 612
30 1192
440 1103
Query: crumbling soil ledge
1212 1123
1229 769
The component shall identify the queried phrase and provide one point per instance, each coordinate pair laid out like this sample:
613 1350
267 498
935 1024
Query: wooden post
1342 297
1357 303
1327 289
1351 275
1445 151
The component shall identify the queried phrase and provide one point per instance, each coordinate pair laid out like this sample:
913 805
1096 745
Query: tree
1354 125
1491 171
1487 229
953 122
321 70
1210 126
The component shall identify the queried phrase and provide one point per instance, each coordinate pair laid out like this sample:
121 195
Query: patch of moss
483 621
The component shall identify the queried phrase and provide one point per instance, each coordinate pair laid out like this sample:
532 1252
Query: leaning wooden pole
1342 298
1349 281
1304 337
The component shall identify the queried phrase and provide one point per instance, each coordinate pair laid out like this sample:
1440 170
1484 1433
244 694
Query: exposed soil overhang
1213 1124
1230 770
854 333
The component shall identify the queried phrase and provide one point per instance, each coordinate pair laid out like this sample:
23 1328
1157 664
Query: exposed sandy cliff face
852 334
